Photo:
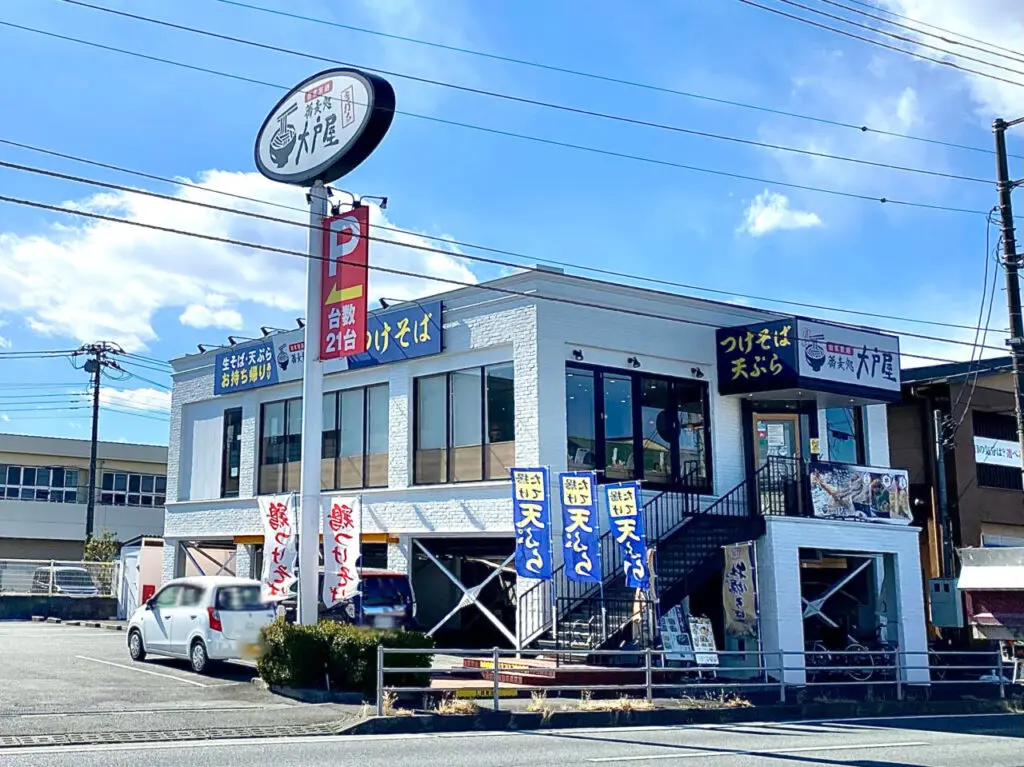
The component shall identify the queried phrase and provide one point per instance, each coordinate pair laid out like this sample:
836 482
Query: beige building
44 485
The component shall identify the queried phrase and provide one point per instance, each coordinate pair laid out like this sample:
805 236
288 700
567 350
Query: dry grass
539 703
622 703
449 705
390 709
710 701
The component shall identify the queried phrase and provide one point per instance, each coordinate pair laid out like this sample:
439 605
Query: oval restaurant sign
325 127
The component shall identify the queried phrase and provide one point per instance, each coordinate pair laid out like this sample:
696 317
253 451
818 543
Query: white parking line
145 671
754 752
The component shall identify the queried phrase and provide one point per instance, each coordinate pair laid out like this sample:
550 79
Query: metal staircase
687 542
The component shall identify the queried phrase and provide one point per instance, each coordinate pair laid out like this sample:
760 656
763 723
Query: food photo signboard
844 491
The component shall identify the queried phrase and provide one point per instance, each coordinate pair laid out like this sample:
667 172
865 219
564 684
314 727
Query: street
63 679
950 741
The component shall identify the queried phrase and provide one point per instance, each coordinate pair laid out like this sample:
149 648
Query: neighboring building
44 486
462 386
984 488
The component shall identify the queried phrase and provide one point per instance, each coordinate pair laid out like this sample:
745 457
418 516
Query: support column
243 560
174 560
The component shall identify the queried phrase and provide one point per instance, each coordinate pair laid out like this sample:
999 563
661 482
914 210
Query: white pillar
312 417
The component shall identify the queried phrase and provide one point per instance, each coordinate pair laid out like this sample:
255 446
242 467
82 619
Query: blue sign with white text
531 518
625 511
581 528
245 368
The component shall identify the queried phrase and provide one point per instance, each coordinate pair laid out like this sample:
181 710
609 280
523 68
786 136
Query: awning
991 569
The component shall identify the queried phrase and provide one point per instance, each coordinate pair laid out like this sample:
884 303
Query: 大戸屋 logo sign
325 127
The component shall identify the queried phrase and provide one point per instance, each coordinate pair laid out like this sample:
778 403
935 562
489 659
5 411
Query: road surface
951 741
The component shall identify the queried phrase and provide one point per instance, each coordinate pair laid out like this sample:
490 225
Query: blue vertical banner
531 516
627 520
581 530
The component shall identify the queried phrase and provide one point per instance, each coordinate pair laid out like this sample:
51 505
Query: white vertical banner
343 526
279 544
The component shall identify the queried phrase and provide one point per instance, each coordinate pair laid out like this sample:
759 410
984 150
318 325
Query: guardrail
56 578
645 672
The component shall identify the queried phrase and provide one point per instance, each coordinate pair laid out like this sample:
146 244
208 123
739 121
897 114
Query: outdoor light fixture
696 372
383 303
577 354
300 322
633 362
357 202
235 339
202 348
266 330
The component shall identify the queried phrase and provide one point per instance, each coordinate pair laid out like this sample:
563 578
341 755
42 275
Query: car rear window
385 591
74 578
239 598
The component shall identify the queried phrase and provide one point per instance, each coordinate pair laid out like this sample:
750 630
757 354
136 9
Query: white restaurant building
570 373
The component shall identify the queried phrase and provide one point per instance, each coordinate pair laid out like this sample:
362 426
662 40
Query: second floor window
280 446
845 435
231 461
465 425
126 489
40 483
992 427
355 439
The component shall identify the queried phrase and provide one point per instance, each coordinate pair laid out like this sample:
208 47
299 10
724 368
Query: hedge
338 656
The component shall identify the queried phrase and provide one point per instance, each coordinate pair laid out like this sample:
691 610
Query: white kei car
202 618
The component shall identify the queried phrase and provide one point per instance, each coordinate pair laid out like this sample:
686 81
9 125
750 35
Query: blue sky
65 281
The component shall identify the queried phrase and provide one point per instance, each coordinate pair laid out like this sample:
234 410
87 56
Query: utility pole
1011 262
98 360
945 523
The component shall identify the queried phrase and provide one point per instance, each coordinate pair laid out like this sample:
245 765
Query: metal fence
56 578
773 676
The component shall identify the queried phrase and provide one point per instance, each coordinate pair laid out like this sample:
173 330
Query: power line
484 248
606 78
901 38
433 278
879 43
28 385
262 217
890 22
511 98
37 354
144 358
931 26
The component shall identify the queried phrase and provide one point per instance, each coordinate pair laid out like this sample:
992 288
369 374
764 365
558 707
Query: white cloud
997 22
770 212
5 343
136 399
89 280
5 418
199 316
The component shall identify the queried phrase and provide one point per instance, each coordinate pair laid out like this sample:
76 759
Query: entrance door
777 445
776 435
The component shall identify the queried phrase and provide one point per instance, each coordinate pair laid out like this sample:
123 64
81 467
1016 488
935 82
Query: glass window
13 475
581 419
466 412
378 404
134 483
431 462
329 443
350 461
56 477
147 481
160 484
231 457
168 597
842 426
120 482
191 596
501 420
28 476
108 480
658 417
618 427
43 477
694 461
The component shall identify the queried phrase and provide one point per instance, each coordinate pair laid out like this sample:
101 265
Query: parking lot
63 679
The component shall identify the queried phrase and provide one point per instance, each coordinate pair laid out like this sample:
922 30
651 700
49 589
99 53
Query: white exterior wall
66 521
778 561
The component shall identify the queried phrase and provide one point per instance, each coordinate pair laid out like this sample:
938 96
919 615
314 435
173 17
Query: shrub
339 654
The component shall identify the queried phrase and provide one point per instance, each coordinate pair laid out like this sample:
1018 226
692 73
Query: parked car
385 601
203 618
64 581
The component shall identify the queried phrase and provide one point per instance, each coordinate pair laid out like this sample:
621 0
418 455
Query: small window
107 499
168 597
191 596
13 475
239 598
71 479
42 478
147 483
57 478
231 456
134 483
845 435
134 500
28 476
108 480
120 482
160 484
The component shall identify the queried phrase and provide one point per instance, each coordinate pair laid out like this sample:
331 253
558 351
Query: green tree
102 549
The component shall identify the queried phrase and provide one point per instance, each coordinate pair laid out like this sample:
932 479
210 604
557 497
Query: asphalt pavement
66 679
950 741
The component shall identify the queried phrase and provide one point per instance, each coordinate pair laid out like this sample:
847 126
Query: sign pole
312 416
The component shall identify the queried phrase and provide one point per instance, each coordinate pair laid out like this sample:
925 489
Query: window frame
449 447
858 436
283 446
115 497
364 456
636 377
225 471
53 490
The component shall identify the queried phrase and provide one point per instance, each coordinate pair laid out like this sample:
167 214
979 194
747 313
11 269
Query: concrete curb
311 696
524 720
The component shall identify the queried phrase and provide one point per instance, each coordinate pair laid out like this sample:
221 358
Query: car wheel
200 660
135 647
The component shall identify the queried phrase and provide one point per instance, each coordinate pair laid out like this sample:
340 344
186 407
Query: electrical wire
931 26
498 251
890 22
607 79
879 43
38 354
388 270
522 100
260 216
154 360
